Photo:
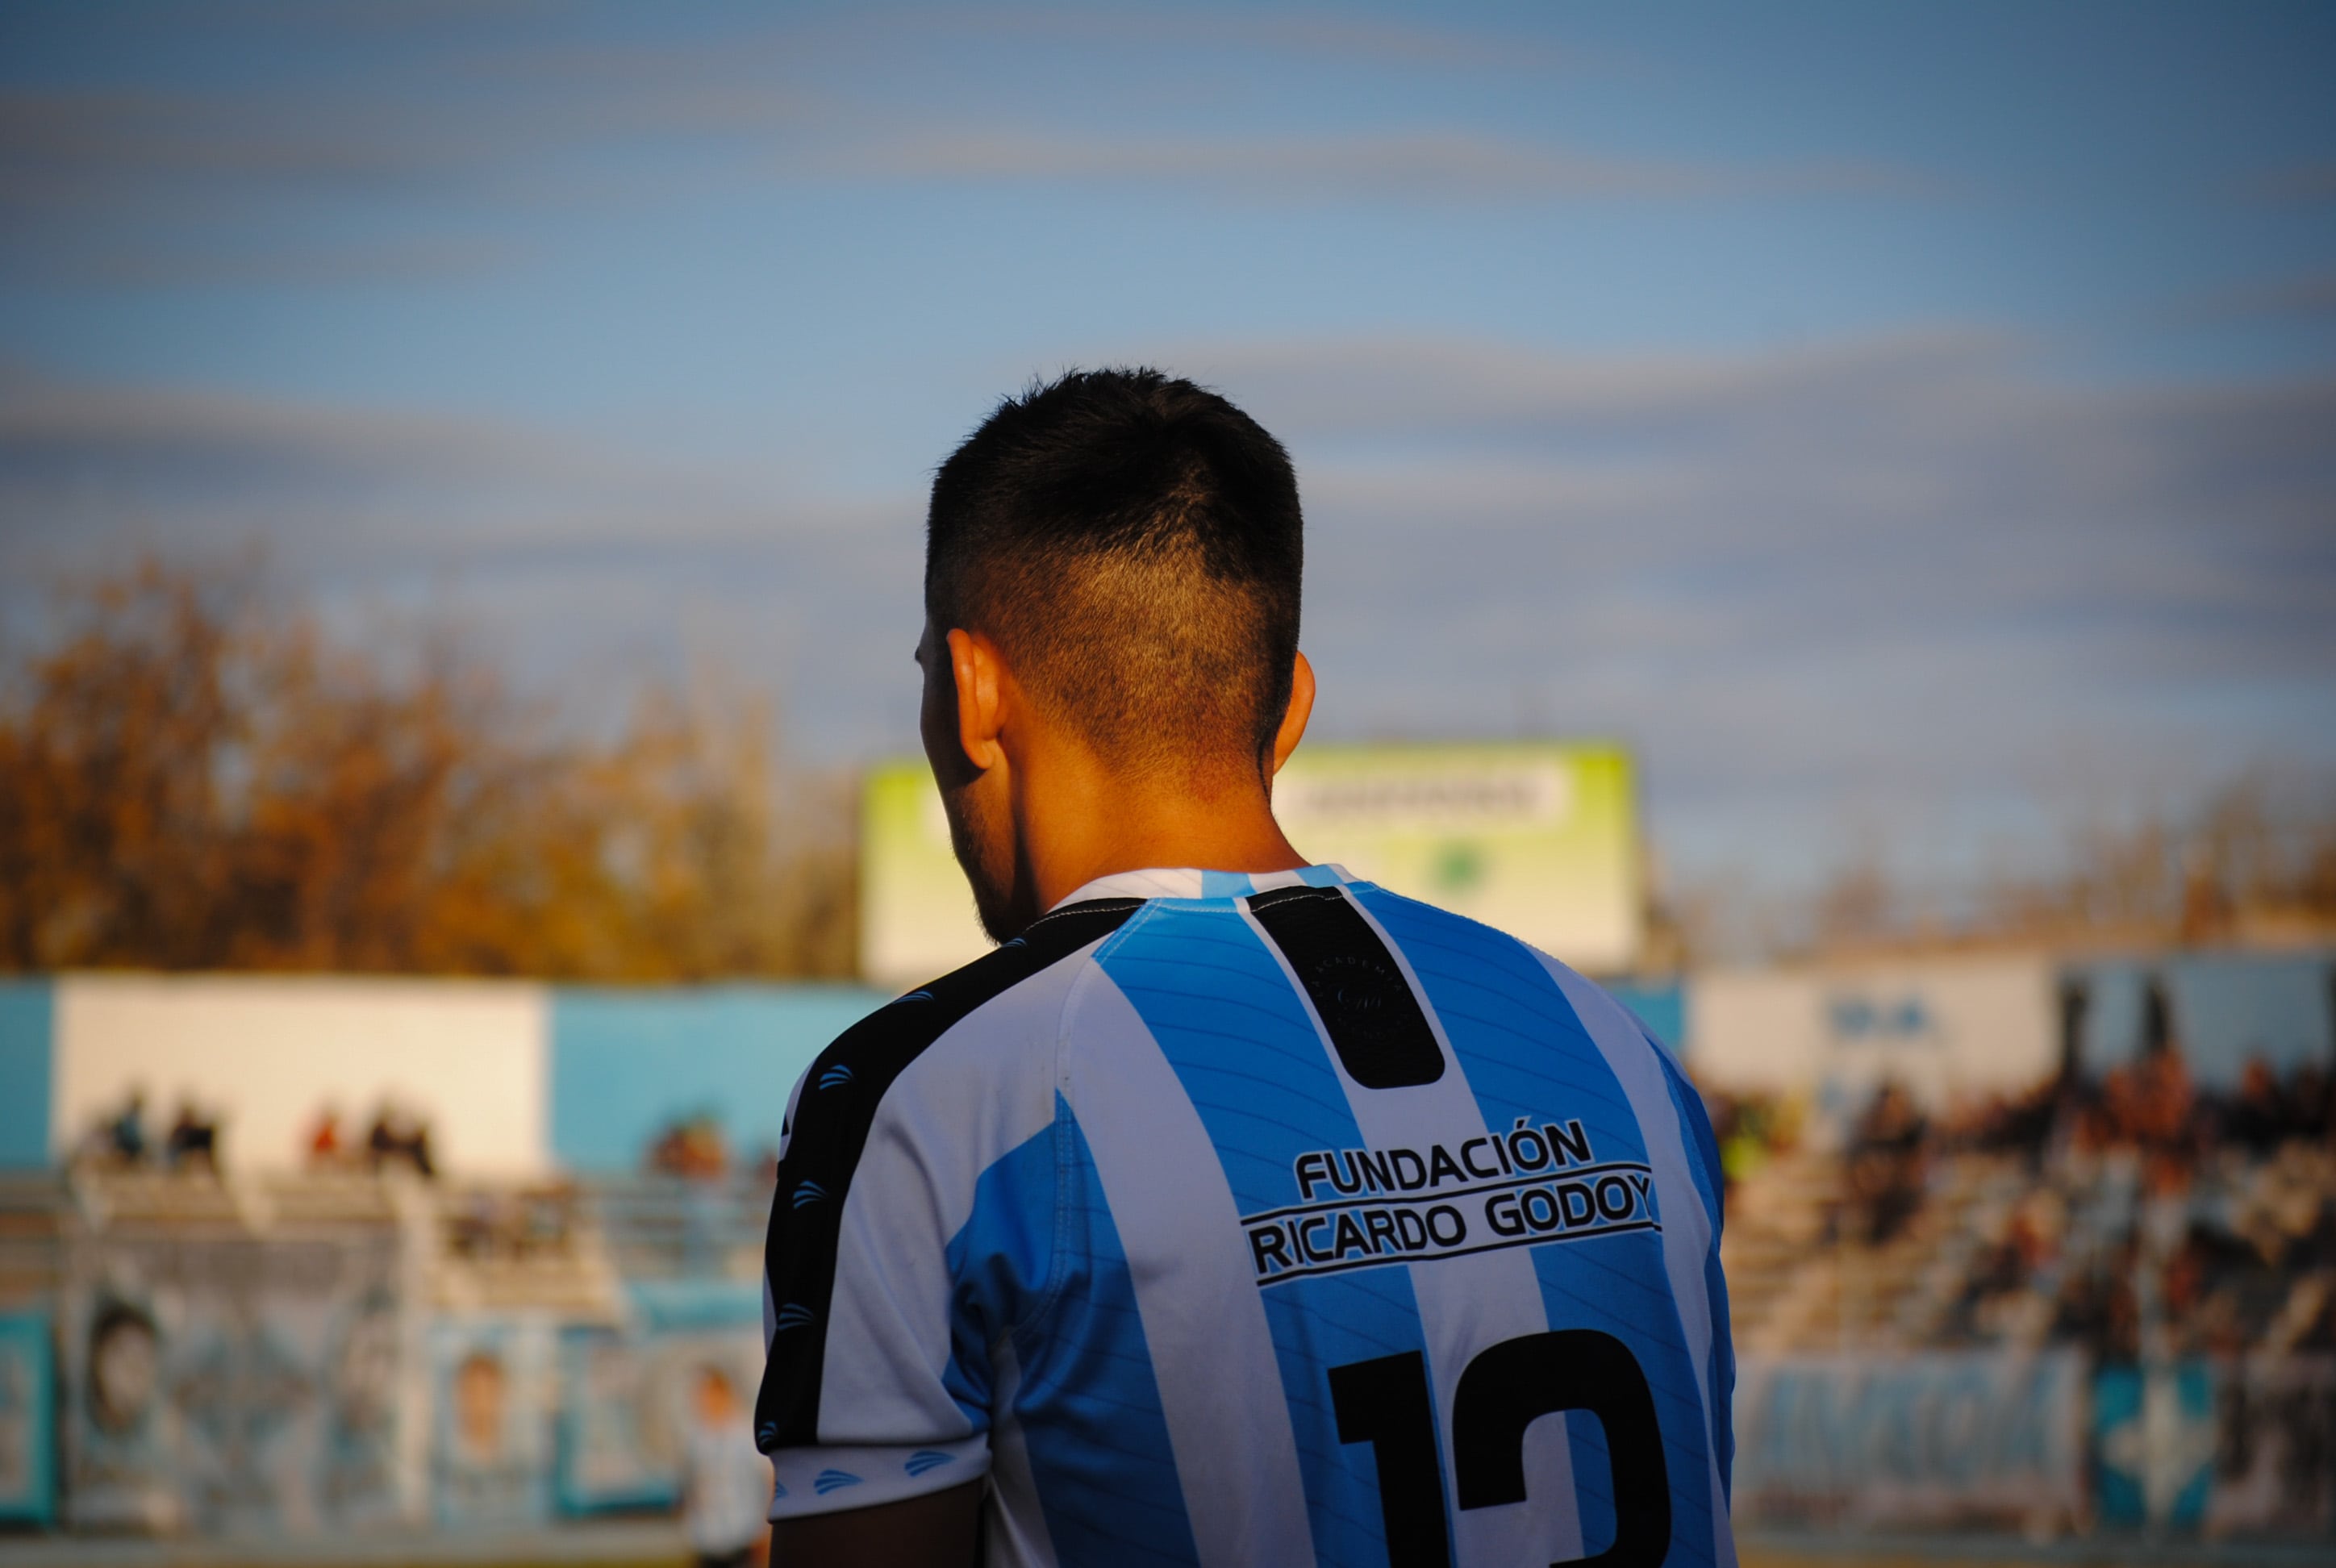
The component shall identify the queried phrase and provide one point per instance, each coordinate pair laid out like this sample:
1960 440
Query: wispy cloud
1426 384
247 260
588 567
1420 166
51 424
2301 184
508 121
83 461
1913 569
62 148
1918 572
1322 37
130 187
2308 297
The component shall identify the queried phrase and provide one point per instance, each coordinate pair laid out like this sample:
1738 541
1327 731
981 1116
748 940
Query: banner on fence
1928 1438
2243 1448
239 1386
491 1393
2275 1448
628 1397
2154 1434
28 1488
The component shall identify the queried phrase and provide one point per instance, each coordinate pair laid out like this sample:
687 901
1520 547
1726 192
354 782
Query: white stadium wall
1947 1029
265 1054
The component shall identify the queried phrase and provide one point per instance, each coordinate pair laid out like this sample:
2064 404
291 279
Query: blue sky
1904 425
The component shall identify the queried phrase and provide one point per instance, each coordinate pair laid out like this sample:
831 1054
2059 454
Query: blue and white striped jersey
1270 1219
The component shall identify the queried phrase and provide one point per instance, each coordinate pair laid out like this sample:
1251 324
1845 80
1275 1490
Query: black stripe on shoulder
1366 1005
833 1112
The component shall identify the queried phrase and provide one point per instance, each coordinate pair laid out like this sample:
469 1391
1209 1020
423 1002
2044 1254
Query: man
723 1486
1233 1211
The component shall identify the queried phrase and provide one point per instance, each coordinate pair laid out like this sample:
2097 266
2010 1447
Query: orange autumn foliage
190 782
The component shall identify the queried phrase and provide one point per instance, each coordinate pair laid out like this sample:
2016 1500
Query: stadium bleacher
2099 1301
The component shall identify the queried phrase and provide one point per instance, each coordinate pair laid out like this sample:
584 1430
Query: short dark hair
1133 544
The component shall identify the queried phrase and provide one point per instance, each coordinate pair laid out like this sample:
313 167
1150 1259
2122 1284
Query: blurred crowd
695 1148
122 1140
398 1139
2129 1213
515 1224
2163 1219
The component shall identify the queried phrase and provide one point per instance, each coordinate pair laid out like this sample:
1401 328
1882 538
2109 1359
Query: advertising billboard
1944 1028
1537 838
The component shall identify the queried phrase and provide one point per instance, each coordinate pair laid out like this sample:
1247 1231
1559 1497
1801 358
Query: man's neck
1076 829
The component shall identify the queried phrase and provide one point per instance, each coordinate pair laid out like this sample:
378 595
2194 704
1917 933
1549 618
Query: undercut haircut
1132 544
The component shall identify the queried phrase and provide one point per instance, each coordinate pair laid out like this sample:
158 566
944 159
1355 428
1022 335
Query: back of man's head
1133 545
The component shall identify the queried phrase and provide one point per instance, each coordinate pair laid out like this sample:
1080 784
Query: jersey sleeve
912 1231
857 1407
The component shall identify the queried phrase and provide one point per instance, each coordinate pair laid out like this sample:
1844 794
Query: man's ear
1294 718
980 676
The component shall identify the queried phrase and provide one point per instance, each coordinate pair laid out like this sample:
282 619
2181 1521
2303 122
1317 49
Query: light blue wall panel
2110 1035
627 1064
27 1014
2227 1007
2231 1009
1661 1005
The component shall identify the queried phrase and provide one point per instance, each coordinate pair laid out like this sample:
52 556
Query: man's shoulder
1492 959
865 1059
1408 921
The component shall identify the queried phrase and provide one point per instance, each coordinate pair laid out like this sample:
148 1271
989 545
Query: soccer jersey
1227 1219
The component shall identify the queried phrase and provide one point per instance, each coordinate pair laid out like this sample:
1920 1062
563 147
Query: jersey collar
1181 883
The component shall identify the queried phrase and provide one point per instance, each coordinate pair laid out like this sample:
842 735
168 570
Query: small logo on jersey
766 1434
778 1490
828 1481
809 1193
834 1075
794 1315
918 997
925 1459
1522 1188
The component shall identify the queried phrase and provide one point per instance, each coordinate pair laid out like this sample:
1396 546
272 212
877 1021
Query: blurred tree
190 782
2247 867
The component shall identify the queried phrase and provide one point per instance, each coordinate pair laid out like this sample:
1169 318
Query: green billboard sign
1537 838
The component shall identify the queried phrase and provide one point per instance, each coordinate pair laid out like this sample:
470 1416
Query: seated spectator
2307 1102
546 1217
1885 1162
1892 1123
473 1222
764 1164
2122 1107
129 1130
2258 1116
2020 1125
397 1138
325 1138
691 1148
2163 1107
193 1140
